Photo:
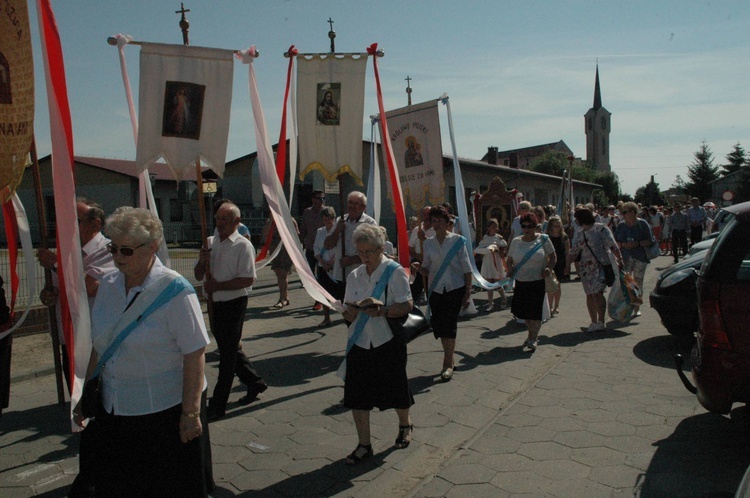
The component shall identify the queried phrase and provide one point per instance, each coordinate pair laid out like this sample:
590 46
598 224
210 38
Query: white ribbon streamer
24 234
275 194
463 215
146 193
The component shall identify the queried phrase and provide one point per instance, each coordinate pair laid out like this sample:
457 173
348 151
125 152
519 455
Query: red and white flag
74 302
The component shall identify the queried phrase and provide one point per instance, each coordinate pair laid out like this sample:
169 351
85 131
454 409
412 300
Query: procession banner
16 95
415 135
74 303
330 107
185 96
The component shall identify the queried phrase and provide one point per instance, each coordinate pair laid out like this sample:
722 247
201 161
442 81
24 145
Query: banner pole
48 296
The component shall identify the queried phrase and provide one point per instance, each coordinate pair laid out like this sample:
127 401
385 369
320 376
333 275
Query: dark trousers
679 241
310 256
226 326
696 234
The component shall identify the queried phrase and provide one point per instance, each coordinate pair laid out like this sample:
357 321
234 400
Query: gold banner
16 94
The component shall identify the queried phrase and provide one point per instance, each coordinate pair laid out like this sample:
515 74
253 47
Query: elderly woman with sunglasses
151 420
375 368
531 257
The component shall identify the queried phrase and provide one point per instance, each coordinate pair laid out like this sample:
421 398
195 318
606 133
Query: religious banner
330 111
16 95
184 104
415 135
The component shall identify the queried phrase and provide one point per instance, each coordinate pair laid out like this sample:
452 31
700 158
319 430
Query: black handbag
91 397
609 272
408 327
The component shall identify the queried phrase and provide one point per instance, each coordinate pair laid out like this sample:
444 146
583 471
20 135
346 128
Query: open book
368 302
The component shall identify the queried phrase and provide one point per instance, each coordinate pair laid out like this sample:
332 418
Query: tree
735 160
610 190
551 163
743 187
679 185
701 173
649 195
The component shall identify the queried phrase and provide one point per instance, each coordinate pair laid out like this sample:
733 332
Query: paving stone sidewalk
585 415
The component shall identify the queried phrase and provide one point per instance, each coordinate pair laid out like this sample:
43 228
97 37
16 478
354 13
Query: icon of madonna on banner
183 110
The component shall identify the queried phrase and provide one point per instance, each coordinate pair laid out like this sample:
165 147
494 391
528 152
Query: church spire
597 91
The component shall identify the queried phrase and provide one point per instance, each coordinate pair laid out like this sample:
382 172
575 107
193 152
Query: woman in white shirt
150 425
375 360
451 290
529 295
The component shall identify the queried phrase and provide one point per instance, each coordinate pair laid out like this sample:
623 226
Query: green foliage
743 188
610 191
735 160
649 195
701 173
551 163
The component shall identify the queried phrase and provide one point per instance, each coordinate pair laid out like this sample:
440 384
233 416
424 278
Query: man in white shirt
96 262
356 204
415 251
231 274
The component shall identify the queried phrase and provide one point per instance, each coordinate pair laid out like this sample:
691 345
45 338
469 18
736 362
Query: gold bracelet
191 414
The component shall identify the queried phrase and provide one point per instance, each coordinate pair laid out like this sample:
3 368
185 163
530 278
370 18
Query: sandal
280 304
361 452
324 323
402 441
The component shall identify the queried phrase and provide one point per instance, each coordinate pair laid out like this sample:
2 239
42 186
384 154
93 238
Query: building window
604 123
604 147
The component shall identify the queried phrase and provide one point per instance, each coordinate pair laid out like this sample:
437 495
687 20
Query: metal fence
183 261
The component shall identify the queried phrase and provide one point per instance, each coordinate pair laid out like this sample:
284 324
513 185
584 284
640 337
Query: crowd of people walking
149 336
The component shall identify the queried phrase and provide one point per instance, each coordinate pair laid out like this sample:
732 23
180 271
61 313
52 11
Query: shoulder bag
609 272
410 326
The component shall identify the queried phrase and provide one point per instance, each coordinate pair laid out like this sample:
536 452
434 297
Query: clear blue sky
518 73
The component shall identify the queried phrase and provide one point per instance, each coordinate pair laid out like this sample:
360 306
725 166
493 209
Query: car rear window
728 259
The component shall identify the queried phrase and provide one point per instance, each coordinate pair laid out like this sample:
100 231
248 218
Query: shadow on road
660 351
708 452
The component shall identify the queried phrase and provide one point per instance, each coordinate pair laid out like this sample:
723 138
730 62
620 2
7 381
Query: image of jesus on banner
328 110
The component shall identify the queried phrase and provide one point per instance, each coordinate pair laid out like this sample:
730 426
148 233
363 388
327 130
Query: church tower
598 126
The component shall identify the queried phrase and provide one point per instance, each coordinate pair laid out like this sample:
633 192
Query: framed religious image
495 203
329 99
183 110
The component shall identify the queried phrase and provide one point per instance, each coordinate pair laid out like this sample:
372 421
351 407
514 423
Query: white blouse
360 285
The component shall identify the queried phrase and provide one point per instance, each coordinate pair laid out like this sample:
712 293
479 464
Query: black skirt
376 378
528 300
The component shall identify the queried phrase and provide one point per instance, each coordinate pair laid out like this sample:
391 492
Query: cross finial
332 36
408 88
184 23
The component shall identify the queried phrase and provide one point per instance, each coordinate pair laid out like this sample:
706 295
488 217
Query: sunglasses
528 226
368 252
125 251
321 198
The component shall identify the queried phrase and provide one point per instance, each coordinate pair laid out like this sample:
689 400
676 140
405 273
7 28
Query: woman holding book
375 366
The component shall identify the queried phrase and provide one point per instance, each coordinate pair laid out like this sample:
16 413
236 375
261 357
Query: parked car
720 220
674 296
703 245
721 357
